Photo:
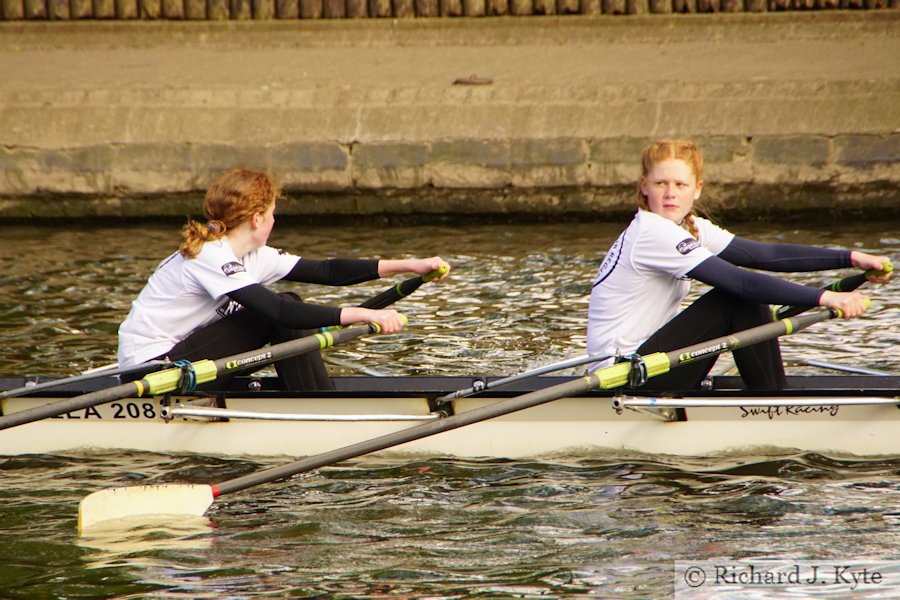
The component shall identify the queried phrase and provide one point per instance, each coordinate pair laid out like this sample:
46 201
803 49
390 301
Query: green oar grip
169 380
849 284
437 273
376 328
886 268
617 375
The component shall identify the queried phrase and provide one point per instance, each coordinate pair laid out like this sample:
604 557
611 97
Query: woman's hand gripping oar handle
403 289
195 499
847 284
188 375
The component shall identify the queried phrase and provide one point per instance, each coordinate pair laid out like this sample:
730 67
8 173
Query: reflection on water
576 527
131 538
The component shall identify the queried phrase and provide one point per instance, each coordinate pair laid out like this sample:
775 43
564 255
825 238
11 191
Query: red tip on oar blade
123 503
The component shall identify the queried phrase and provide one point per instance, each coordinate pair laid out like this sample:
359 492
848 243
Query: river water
589 526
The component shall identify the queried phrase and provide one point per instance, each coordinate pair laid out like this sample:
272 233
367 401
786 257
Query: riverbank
541 116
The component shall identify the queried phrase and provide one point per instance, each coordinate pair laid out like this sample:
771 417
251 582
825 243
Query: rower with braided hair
639 288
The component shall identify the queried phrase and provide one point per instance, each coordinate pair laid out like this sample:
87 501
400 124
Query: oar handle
403 289
847 284
436 273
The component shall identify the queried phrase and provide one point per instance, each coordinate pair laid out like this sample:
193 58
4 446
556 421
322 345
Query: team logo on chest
231 268
687 246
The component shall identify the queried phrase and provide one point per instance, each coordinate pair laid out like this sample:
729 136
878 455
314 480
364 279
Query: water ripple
604 525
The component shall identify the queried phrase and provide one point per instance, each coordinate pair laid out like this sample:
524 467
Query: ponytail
233 198
196 234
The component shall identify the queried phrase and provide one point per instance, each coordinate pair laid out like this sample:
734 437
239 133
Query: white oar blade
142 500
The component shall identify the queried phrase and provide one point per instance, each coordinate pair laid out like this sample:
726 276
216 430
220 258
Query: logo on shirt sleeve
687 246
229 308
231 268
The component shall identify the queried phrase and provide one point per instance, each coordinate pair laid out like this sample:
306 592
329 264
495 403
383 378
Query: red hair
669 149
233 198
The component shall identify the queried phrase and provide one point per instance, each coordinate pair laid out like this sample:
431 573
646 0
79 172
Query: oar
846 368
489 385
195 499
106 371
847 284
346 364
196 373
403 289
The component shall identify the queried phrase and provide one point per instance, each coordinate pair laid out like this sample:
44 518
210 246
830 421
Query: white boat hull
570 426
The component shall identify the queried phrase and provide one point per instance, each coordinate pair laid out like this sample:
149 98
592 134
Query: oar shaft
61 407
88 376
607 378
204 371
748 337
403 436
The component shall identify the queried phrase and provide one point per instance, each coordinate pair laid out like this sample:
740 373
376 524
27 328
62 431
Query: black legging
246 330
713 315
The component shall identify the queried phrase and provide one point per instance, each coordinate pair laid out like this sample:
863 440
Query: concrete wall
797 112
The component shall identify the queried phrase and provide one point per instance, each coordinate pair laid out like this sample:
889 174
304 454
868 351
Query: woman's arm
771 290
784 257
751 285
296 314
349 271
419 266
334 271
285 311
